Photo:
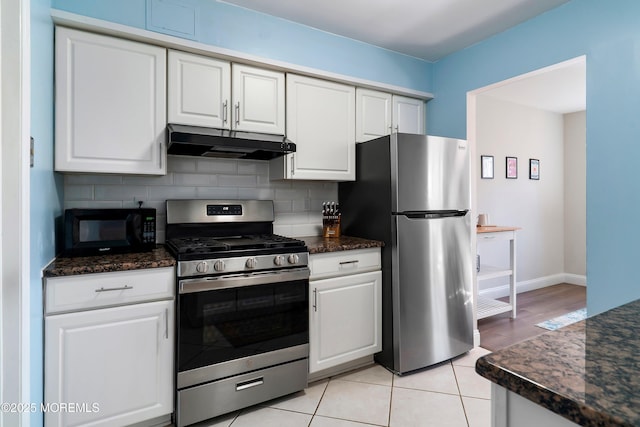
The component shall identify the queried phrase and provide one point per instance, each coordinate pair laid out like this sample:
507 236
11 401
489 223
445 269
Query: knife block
331 226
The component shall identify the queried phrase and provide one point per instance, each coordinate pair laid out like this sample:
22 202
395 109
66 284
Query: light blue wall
46 188
223 25
609 34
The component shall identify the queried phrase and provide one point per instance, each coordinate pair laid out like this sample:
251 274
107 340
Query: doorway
536 119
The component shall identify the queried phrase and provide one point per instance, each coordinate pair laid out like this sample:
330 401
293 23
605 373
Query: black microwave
108 231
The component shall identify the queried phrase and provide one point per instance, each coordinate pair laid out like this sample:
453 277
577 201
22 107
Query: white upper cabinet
214 93
199 90
380 113
408 115
373 114
110 104
320 121
258 100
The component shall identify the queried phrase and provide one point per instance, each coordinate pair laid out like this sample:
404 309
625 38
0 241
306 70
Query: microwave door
106 231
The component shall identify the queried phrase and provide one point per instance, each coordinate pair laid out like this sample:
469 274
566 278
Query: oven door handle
242 279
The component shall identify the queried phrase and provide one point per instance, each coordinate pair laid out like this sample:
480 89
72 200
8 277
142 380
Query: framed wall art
534 169
512 167
486 167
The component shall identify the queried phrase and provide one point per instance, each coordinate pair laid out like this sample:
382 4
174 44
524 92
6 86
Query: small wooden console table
486 306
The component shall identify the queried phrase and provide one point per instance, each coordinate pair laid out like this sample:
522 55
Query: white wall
575 194
298 204
507 129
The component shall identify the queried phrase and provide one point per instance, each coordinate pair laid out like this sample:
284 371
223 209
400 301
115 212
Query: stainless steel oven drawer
219 397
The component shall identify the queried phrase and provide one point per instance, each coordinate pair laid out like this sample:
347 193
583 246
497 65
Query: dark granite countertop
587 372
319 244
158 257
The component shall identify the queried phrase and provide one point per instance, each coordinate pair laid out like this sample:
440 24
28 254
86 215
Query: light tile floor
448 395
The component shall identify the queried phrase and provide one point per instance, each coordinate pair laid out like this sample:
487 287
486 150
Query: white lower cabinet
345 315
110 366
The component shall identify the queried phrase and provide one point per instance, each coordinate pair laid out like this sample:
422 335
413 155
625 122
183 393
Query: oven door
241 322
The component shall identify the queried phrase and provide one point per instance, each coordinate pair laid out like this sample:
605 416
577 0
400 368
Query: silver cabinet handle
123 288
315 299
224 111
355 261
237 114
293 164
166 323
160 156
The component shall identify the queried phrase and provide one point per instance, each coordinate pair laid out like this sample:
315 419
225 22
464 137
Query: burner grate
194 246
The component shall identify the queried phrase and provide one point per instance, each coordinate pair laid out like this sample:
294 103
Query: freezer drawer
432 291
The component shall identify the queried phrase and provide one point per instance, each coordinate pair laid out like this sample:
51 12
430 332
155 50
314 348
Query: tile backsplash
298 204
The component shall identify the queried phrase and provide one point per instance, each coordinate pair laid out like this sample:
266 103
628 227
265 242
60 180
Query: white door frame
472 112
14 214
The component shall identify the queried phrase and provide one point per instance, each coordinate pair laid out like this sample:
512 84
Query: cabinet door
199 90
345 319
373 114
408 115
258 100
115 363
320 122
110 104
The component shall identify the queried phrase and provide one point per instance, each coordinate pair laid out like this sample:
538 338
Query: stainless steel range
242 307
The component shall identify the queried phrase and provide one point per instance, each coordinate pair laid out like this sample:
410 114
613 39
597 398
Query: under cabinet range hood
210 142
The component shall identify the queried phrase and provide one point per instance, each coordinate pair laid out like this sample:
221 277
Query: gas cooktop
193 248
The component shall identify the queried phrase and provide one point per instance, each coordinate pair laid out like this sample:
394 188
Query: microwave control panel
149 229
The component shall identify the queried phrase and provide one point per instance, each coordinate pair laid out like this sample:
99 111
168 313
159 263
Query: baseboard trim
530 285
575 279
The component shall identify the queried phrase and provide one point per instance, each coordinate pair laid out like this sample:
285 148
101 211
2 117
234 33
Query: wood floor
533 307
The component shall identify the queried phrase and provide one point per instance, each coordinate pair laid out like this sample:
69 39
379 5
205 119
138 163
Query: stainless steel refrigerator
412 193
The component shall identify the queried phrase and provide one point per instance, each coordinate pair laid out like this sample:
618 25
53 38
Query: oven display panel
213 210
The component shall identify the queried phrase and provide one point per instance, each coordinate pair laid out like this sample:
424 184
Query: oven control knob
202 267
293 259
219 265
251 263
278 260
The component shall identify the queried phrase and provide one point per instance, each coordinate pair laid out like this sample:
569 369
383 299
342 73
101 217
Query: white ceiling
559 89
427 29
432 29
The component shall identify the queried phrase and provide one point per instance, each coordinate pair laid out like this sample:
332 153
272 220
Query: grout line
393 377
235 418
320 400
352 421
464 410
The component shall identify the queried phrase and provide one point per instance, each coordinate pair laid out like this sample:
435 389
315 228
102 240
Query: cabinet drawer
495 237
71 293
344 262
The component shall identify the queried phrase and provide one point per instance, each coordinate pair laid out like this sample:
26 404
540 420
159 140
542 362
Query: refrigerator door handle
434 214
